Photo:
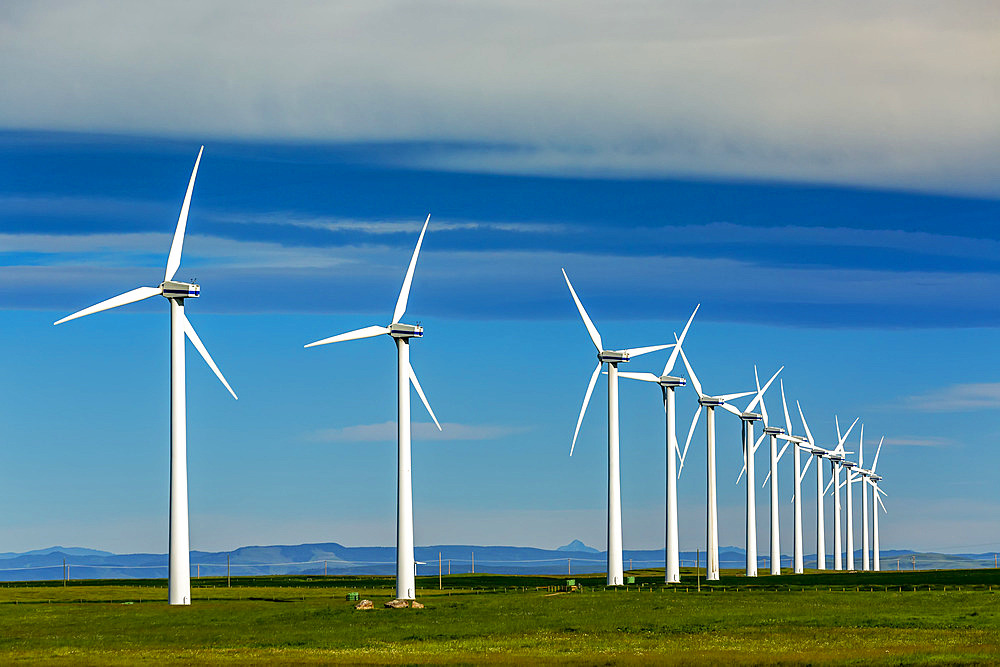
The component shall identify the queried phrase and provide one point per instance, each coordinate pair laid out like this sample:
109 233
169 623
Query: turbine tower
616 573
401 333
748 417
798 561
709 403
179 582
668 383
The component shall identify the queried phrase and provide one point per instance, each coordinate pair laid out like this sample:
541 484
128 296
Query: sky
822 180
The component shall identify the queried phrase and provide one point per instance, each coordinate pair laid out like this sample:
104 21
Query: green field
940 617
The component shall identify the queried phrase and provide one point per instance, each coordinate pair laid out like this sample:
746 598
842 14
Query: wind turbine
798 563
748 417
401 333
616 573
873 479
179 582
668 383
837 459
709 403
863 475
775 434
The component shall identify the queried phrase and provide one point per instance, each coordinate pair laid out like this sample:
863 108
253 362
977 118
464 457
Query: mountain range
333 558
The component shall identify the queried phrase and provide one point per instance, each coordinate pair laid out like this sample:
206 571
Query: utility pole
324 568
229 581
449 567
697 567
65 575
569 566
473 562
439 571
199 570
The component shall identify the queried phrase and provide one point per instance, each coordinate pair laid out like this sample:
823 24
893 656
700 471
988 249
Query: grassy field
940 617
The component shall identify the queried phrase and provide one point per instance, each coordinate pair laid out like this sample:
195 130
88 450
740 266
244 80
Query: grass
515 619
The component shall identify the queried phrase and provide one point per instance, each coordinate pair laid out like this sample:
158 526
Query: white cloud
386 432
917 441
957 398
893 93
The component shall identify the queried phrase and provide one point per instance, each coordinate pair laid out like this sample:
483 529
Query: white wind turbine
817 453
748 417
616 574
837 459
798 561
863 476
668 384
775 433
870 477
709 403
179 583
401 333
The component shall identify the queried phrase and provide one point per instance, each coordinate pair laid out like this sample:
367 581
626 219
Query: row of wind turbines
179 571
856 472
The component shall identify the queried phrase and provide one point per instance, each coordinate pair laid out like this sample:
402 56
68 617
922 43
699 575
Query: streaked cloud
850 92
966 397
386 432
916 441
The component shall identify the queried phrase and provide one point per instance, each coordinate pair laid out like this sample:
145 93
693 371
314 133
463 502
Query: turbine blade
591 329
784 406
861 448
828 485
645 377
879 499
730 409
840 445
744 468
805 468
760 439
367 332
733 397
586 400
138 294
836 421
680 341
877 451
687 443
690 371
177 246
423 399
638 351
766 478
782 452
198 345
404 292
760 394
805 425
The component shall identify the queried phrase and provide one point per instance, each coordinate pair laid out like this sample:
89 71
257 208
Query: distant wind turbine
179 582
401 333
616 573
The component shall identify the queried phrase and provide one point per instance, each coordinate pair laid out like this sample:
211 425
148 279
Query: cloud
957 398
841 92
917 441
386 432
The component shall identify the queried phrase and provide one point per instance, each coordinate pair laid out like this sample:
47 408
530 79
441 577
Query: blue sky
847 231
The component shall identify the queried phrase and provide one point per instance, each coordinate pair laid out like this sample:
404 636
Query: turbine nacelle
876 478
399 330
773 430
174 289
613 356
671 381
750 416
710 401
849 464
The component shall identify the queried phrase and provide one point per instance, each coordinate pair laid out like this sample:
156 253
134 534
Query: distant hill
579 547
333 558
